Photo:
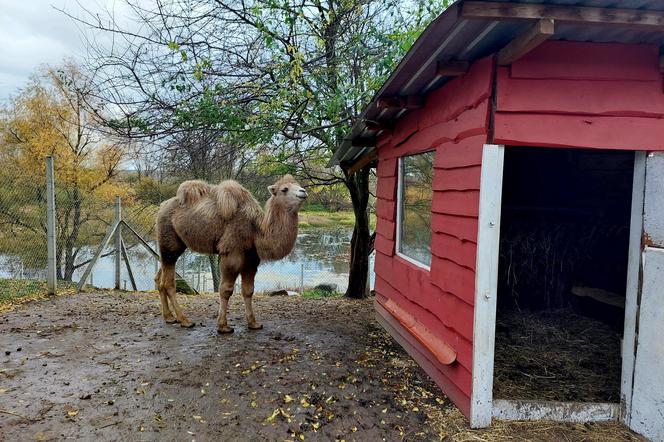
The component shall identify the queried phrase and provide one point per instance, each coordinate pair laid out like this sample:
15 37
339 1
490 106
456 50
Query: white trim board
483 407
632 293
486 283
531 410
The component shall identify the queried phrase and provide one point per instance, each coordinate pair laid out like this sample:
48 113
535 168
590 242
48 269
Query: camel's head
288 193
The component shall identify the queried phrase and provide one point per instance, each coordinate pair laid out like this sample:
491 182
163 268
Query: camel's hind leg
163 297
247 294
168 287
229 266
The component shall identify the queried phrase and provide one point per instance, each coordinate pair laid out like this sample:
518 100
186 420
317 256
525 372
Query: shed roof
462 34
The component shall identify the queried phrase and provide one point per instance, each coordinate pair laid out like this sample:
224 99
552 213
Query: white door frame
486 284
482 406
633 286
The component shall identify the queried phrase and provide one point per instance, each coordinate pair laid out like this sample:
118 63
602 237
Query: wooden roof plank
534 36
452 68
575 14
363 161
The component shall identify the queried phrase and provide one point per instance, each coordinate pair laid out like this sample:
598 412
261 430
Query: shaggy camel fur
225 219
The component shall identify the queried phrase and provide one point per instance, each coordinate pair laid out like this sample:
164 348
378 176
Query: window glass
416 192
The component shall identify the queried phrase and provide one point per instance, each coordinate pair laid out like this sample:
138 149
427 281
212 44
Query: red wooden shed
539 114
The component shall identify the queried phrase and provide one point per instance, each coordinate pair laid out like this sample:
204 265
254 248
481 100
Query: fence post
156 269
200 263
50 227
301 279
118 241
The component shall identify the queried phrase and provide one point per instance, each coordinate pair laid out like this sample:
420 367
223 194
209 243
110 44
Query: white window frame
400 213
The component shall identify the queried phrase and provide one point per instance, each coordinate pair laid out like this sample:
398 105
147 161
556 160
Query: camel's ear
272 189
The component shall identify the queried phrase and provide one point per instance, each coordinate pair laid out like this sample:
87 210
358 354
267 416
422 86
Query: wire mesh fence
83 218
22 225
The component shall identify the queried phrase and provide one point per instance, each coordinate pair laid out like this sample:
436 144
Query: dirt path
104 366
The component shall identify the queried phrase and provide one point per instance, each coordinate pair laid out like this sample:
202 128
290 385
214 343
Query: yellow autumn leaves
51 117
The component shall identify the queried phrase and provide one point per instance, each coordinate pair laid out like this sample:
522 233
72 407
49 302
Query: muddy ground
104 366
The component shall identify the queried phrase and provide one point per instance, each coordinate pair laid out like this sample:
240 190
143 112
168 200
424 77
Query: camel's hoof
256 326
224 330
170 320
186 324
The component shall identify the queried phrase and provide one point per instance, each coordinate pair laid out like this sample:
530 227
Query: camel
225 219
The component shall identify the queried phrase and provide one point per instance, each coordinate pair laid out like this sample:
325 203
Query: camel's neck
278 232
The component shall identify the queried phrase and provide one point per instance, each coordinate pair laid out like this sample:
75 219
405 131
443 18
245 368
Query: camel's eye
284 190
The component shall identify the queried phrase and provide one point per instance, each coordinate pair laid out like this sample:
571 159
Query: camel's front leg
248 276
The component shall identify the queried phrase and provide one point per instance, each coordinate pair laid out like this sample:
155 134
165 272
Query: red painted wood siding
454 122
573 94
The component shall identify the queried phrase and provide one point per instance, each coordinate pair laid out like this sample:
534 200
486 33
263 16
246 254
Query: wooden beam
363 142
531 410
125 256
572 14
410 102
537 34
366 159
93 261
373 126
452 68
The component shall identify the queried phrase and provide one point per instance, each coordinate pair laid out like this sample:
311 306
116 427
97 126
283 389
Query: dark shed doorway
565 224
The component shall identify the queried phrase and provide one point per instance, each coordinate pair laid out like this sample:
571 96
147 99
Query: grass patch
318 293
14 292
322 218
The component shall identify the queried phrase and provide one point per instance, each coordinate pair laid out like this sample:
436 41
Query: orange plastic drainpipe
441 350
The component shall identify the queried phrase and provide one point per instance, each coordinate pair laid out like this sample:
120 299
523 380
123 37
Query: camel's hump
230 195
191 191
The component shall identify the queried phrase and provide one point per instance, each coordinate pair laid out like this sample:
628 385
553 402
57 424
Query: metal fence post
118 241
301 279
50 227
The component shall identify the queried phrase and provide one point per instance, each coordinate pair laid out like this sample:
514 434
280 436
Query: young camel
225 219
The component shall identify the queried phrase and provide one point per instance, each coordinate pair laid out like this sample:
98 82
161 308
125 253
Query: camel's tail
190 192
230 194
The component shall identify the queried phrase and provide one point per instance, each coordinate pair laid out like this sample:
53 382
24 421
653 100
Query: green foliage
18 291
181 286
148 190
318 293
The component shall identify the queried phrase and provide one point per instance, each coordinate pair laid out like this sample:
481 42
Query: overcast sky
34 32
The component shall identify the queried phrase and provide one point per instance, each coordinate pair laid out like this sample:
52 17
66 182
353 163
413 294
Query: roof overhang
469 30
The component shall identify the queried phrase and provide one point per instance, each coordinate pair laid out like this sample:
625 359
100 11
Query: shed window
414 215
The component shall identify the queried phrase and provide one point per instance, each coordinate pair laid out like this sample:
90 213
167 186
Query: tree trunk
70 243
358 186
214 269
